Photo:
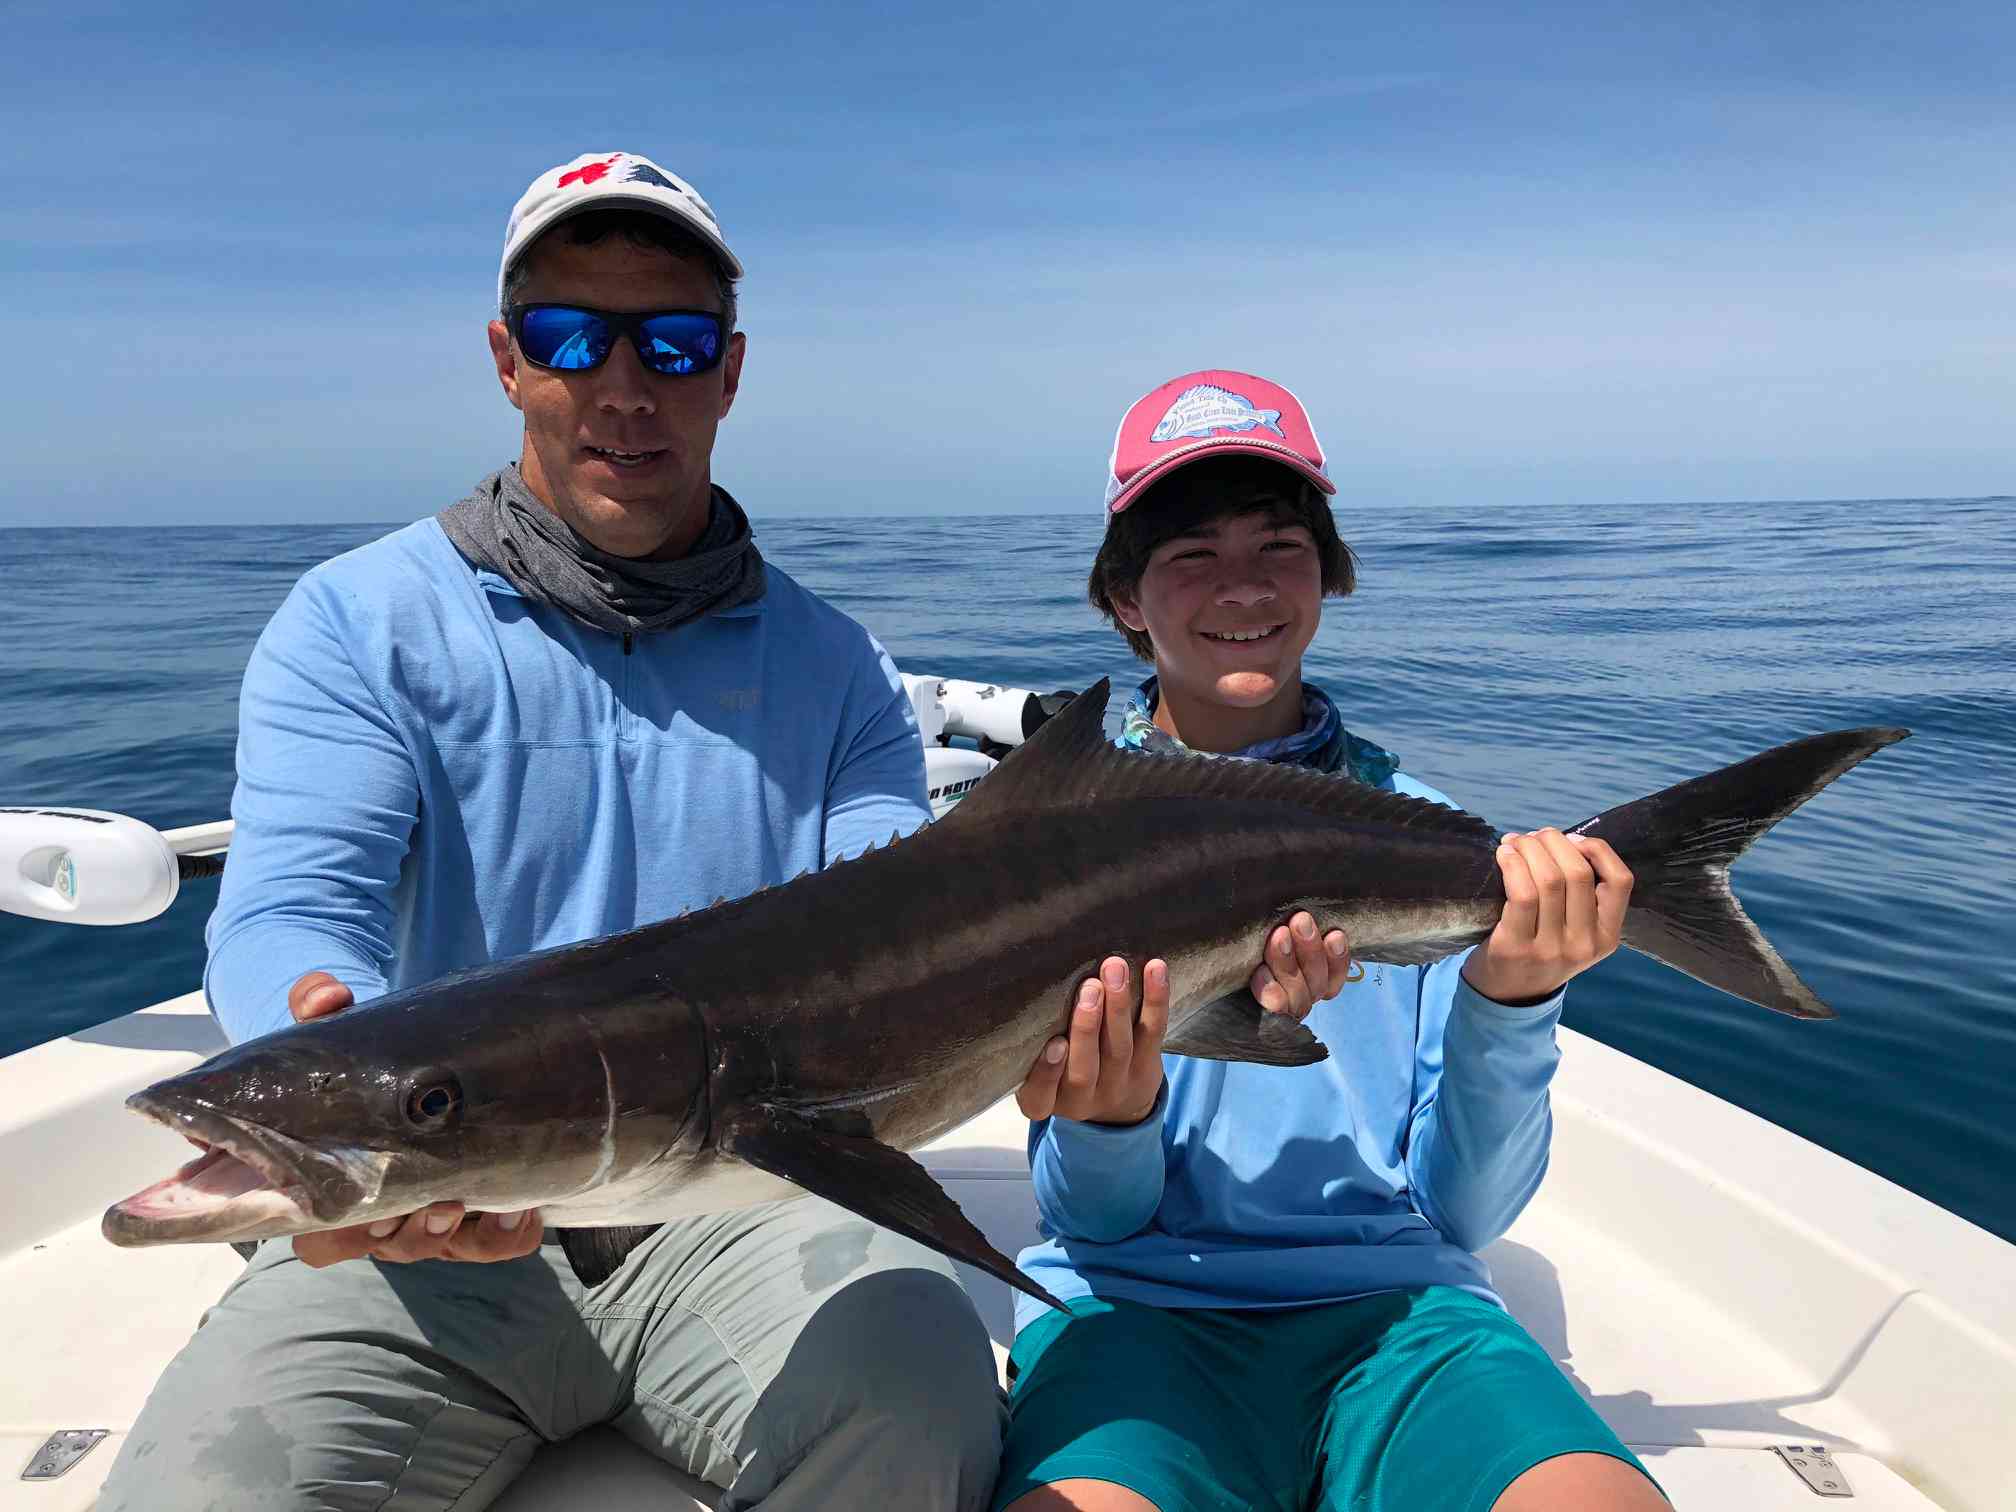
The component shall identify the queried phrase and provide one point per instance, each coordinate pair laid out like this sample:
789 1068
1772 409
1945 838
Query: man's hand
1565 897
1107 1068
444 1231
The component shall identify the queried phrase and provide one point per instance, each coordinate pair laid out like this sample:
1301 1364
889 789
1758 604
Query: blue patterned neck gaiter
1322 743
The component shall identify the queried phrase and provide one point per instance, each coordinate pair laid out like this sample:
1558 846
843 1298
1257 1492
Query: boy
1275 1300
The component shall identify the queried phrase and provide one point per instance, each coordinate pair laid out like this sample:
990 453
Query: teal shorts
1401 1402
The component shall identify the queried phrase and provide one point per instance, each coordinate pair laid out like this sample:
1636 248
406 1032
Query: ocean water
1537 664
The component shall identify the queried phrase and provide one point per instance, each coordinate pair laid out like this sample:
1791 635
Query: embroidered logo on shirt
1199 411
739 700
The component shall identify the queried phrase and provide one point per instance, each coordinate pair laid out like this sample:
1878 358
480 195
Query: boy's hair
1198 494
641 229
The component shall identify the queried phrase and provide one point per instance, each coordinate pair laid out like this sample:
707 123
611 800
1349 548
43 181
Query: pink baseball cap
1207 415
603 180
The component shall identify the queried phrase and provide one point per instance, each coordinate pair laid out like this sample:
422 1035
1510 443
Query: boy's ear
1127 610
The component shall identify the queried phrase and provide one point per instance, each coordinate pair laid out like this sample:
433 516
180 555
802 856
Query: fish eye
433 1101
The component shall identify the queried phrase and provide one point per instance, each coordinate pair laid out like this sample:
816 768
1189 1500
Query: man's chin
628 517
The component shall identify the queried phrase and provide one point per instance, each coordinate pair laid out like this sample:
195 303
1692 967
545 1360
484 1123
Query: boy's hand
1565 897
441 1232
1299 970
1107 1067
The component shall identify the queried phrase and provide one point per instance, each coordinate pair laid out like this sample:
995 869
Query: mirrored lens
680 343
558 337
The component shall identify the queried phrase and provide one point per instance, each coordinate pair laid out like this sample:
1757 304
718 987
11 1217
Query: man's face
652 499
1230 607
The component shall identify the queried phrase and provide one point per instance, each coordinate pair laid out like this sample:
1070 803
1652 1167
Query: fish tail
1680 843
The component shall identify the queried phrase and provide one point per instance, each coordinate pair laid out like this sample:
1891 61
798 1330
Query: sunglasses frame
620 326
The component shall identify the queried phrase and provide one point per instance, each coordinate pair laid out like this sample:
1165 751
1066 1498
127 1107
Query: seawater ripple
1538 665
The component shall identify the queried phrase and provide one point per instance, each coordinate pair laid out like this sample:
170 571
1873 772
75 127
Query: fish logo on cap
1199 411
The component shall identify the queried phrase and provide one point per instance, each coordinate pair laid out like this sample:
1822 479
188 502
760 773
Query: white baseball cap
604 180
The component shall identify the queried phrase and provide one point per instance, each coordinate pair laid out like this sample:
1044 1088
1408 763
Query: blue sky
1506 254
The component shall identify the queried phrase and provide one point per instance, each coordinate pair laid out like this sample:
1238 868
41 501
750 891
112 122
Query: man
575 702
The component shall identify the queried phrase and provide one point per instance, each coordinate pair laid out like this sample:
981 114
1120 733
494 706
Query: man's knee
916 1349
309 1389
893 1371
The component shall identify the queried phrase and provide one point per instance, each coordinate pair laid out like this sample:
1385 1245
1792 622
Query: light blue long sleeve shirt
435 772
1380 1169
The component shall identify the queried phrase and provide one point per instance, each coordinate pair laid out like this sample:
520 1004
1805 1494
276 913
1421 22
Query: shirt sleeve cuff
1468 999
1112 1143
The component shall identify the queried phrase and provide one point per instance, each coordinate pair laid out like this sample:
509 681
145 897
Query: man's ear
731 373
506 357
1126 609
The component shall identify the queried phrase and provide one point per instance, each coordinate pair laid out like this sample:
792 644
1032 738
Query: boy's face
1230 606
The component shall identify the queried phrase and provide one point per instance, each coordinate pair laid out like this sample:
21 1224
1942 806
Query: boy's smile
1230 607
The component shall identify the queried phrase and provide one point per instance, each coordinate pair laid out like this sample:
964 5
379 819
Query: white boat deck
1714 1285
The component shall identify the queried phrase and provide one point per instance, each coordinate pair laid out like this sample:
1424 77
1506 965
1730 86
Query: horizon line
1044 514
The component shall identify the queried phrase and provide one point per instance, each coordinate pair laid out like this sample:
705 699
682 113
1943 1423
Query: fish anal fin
595 1253
870 1178
1237 1028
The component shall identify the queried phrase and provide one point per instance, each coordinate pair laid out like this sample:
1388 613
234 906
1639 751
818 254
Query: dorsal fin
1070 762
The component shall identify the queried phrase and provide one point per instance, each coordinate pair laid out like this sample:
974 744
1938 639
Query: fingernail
383 1228
1115 976
510 1221
440 1223
1339 947
1305 928
1054 1051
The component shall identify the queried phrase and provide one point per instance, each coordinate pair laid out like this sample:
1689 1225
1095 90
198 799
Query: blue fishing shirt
1381 1169
435 772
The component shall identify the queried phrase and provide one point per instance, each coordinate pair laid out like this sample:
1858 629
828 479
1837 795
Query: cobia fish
805 1037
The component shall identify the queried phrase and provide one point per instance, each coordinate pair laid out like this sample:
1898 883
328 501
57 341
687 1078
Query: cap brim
532 230
1215 446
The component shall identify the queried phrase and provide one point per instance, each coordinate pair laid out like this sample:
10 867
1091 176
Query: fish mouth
249 1182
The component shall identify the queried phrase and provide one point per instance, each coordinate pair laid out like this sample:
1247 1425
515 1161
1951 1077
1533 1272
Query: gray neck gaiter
504 527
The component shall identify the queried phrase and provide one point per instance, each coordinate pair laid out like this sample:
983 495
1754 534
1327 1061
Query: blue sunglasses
575 338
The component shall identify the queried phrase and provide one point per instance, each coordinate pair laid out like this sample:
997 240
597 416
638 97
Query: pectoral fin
868 1177
1237 1028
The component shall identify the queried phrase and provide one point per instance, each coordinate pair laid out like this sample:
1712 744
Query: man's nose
623 384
